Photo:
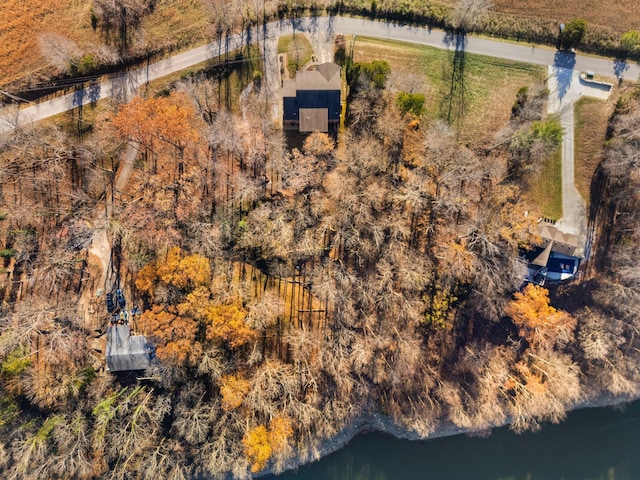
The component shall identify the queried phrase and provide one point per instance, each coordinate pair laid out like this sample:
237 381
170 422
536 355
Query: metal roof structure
289 88
127 352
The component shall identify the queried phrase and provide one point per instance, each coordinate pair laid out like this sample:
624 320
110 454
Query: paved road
124 86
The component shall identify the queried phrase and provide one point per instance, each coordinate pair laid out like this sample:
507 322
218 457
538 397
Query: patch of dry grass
21 22
619 15
591 118
173 24
490 84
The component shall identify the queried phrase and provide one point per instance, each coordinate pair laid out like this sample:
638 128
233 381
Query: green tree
411 103
631 40
372 74
573 33
548 132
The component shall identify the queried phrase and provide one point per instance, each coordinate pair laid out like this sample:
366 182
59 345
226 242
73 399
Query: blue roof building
311 101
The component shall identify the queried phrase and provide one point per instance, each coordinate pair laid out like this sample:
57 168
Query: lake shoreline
377 422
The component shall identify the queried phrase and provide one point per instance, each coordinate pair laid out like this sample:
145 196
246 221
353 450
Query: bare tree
58 50
468 14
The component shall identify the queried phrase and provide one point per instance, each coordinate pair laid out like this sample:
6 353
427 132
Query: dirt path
100 248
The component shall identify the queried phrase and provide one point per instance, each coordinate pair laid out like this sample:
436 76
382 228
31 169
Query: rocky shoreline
378 422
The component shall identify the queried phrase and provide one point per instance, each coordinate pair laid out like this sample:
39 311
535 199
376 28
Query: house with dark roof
556 257
311 101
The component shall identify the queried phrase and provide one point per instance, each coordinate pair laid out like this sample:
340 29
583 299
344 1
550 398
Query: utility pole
353 44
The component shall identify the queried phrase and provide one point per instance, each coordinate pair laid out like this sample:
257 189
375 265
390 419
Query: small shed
126 352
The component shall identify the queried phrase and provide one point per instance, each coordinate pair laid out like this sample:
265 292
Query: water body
591 444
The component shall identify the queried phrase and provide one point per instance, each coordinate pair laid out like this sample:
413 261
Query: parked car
111 306
540 277
120 297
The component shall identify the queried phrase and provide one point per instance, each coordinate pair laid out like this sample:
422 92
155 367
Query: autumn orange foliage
176 334
539 323
227 323
190 275
183 273
233 389
168 119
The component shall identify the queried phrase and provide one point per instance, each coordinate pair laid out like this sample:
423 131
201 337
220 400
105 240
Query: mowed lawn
546 188
298 49
488 91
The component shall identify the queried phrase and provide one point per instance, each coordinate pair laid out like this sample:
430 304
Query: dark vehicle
540 276
120 297
111 307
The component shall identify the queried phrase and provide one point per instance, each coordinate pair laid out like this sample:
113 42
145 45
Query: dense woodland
292 292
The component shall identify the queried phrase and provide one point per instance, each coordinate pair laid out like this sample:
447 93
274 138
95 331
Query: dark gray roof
126 351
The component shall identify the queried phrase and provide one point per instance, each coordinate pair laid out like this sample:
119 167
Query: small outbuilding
311 101
127 352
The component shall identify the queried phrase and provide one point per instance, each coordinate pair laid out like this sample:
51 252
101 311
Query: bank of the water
380 425
592 443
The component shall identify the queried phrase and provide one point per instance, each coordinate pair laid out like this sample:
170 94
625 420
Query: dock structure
126 352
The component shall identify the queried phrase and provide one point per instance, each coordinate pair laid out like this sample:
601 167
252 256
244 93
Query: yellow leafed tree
280 431
227 324
539 323
233 390
257 447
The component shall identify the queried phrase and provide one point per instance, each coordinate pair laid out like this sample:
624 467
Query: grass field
20 24
617 15
298 50
546 189
591 117
490 84
173 24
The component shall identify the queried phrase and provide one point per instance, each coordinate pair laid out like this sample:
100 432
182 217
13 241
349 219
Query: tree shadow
454 102
93 93
620 65
78 99
331 25
563 64
120 88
